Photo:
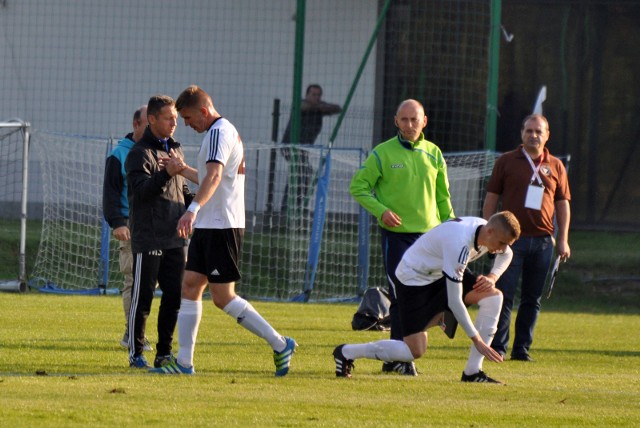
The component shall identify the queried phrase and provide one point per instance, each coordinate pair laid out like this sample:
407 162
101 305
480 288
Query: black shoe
343 365
522 357
408 369
480 377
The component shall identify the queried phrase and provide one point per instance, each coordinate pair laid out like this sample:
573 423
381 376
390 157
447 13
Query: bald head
414 104
410 119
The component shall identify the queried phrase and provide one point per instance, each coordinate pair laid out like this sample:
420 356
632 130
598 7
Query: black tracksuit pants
166 268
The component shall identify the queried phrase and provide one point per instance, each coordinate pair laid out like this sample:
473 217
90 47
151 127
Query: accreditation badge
534 197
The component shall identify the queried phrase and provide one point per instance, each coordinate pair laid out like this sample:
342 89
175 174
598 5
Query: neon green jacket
407 178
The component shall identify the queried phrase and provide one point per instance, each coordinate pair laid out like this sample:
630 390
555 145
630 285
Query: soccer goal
14 173
76 254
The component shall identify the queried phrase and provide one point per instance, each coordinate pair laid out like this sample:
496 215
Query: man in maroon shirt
533 185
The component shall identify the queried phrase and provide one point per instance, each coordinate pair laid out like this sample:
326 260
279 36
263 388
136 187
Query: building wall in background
82 67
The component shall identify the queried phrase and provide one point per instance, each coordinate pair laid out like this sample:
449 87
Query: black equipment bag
373 312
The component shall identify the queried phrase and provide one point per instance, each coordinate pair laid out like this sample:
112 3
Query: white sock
249 318
486 324
188 322
383 350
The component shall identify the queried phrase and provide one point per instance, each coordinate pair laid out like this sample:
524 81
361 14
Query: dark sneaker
480 377
407 369
139 362
282 360
522 357
163 360
343 365
173 367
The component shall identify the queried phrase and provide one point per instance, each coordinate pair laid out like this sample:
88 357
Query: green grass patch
62 365
602 275
10 246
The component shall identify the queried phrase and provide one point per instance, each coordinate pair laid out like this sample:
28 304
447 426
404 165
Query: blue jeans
531 260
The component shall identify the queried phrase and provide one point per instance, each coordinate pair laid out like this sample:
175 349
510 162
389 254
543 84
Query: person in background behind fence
533 185
217 219
404 184
158 195
115 207
312 110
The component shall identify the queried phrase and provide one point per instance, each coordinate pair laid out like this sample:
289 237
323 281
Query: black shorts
216 254
418 305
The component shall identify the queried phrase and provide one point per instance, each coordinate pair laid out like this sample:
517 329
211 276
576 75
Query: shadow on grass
602 352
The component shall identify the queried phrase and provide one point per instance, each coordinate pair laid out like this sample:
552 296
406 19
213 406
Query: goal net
278 235
14 152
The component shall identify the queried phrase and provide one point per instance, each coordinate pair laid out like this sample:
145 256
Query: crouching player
433 280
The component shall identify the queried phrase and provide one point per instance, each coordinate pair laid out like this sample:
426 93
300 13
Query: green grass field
61 365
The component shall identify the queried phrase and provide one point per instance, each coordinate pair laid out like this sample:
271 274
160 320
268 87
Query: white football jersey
445 250
225 209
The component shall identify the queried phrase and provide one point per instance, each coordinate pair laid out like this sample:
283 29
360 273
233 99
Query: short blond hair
193 97
507 222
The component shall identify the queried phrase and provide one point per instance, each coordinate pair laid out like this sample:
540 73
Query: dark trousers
393 247
166 268
531 261
300 178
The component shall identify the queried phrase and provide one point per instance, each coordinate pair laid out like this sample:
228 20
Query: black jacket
156 200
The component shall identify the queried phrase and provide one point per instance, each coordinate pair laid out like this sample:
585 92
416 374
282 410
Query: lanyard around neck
536 174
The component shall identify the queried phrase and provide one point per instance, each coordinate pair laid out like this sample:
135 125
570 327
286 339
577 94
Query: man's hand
162 163
185 224
563 250
175 165
486 350
484 283
122 233
391 219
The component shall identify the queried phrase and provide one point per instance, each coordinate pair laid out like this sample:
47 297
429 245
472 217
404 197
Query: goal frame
25 127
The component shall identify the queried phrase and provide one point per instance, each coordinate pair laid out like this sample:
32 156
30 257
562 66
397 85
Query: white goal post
14 183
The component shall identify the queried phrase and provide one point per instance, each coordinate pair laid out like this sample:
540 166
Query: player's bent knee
417 353
220 302
191 291
417 344
475 297
495 292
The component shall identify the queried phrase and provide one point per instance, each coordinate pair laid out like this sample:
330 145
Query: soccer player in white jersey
433 278
217 219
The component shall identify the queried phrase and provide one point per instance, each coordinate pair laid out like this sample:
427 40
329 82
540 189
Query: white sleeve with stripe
454 265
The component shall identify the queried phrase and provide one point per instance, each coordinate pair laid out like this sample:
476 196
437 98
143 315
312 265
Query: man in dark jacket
157 196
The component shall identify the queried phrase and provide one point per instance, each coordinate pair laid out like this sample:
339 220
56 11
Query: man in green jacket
404 184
